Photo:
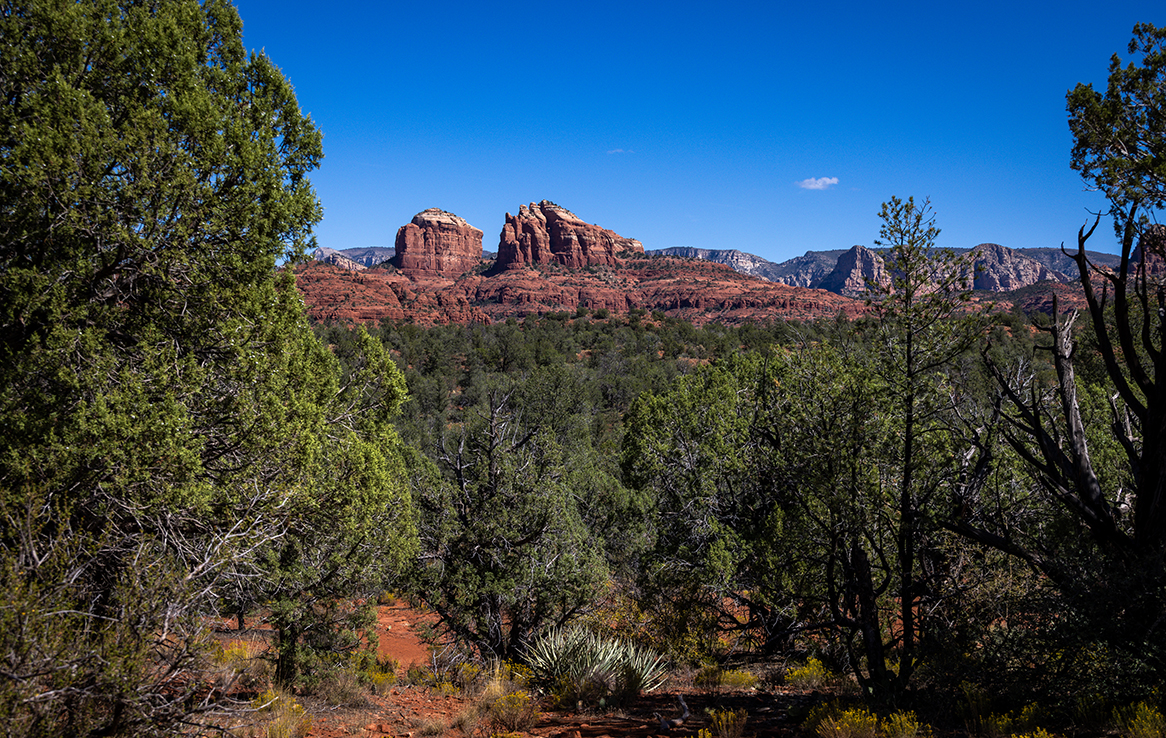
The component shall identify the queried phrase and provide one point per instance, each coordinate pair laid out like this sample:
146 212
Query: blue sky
696 124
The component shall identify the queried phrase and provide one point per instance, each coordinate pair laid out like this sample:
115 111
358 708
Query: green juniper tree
168 419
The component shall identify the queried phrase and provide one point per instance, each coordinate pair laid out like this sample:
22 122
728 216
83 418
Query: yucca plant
580 665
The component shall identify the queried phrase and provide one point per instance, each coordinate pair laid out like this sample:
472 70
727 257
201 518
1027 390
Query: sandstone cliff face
1000 269
694 291
855 271
548 234
437 243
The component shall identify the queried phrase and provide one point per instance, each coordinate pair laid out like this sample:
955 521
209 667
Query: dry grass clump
430 726
342 688
280 716
240 663
467 720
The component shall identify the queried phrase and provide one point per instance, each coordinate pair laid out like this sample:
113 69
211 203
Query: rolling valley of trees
931 500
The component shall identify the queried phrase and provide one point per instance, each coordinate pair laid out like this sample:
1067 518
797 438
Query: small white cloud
621 151
819 183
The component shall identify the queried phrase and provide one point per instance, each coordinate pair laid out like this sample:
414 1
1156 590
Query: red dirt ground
402 711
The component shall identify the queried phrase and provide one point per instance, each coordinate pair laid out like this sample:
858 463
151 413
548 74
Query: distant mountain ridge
847 271
356 259
551 262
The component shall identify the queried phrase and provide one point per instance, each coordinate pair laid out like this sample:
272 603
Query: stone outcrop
437 244
807 270
548 234
855 271
739 261
1000 269
1153 244
337 258
369 256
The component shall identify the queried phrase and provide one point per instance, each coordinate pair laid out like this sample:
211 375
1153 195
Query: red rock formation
548 234
437 243
696 291
855 271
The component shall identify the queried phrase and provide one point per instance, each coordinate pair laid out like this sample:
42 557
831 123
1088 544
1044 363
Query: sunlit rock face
437 243
855 272
1000 269
548 234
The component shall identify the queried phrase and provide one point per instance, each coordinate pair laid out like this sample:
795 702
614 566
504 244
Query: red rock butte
437 243
548 234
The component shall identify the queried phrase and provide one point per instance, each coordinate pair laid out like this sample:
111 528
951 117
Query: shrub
466 676
386 598
419 676
380 674
1140 721
380 682
711 676
1091 711
855 722
811 676
512 712
901 725
738 679
707 677
285 717
503 678
1008 724
729 723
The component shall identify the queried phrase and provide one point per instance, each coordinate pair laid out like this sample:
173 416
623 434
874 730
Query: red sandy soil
401 711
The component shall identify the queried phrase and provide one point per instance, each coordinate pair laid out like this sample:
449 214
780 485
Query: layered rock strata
437 243
548 234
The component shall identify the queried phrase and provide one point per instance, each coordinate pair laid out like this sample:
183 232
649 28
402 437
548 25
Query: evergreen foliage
175 439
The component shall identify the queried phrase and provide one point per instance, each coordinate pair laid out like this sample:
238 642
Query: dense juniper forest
928 520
